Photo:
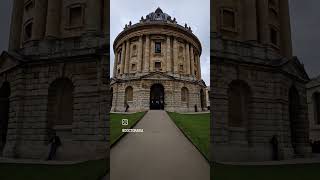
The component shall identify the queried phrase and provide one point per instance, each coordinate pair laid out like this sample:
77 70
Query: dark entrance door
157 97
4 113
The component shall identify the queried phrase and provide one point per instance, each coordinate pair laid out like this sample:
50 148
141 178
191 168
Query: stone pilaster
169 61
199 67
285 30
93 15
39 25
147 54
175 56
139 54
192 61
187 58
123 59
16 25
53 19
263 25
127 61
250 25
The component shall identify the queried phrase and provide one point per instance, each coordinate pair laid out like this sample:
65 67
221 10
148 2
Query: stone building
157 66
313 94
54 77
257 87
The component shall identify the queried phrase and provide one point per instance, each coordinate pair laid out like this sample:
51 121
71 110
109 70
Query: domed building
157 66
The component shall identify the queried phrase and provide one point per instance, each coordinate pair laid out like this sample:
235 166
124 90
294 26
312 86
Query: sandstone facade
56 73
313 95
257 88
157 51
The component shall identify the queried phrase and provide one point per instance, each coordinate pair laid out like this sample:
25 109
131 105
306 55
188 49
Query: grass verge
116 124
90 170
196 127
274 172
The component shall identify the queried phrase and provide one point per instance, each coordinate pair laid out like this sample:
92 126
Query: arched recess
128 95
185 95
239 100
60 103
316 107
4 113
296 124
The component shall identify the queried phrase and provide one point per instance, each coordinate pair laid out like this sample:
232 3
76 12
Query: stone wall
269 83
141 96
313 89
28 133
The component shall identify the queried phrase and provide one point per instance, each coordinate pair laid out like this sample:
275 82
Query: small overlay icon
125 122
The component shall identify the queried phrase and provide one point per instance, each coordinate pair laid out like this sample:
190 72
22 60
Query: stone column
199 66
139 54
263 25
123 59
127 61
187 58
192 60
250 24
93 15
169 61
147 54
39 25
285 30
115 64
16 25
53 19
175 56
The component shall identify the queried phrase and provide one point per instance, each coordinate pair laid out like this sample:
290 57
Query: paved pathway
161 152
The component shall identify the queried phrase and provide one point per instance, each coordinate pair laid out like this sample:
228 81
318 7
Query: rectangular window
157 65
157 47
133 67
75 16
181 67
228 19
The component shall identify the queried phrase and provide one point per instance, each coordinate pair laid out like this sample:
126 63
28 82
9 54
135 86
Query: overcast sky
195 14
305 16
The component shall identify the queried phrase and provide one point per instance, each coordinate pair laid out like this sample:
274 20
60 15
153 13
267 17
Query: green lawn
196 127
116 126
90 170
277 172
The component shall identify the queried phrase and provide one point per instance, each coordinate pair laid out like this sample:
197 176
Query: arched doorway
294 111
157 97
4 113
202 99
60 103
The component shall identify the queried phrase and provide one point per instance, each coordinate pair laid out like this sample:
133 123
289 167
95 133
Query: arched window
239 99
129 94
316 109
60 103
184 94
